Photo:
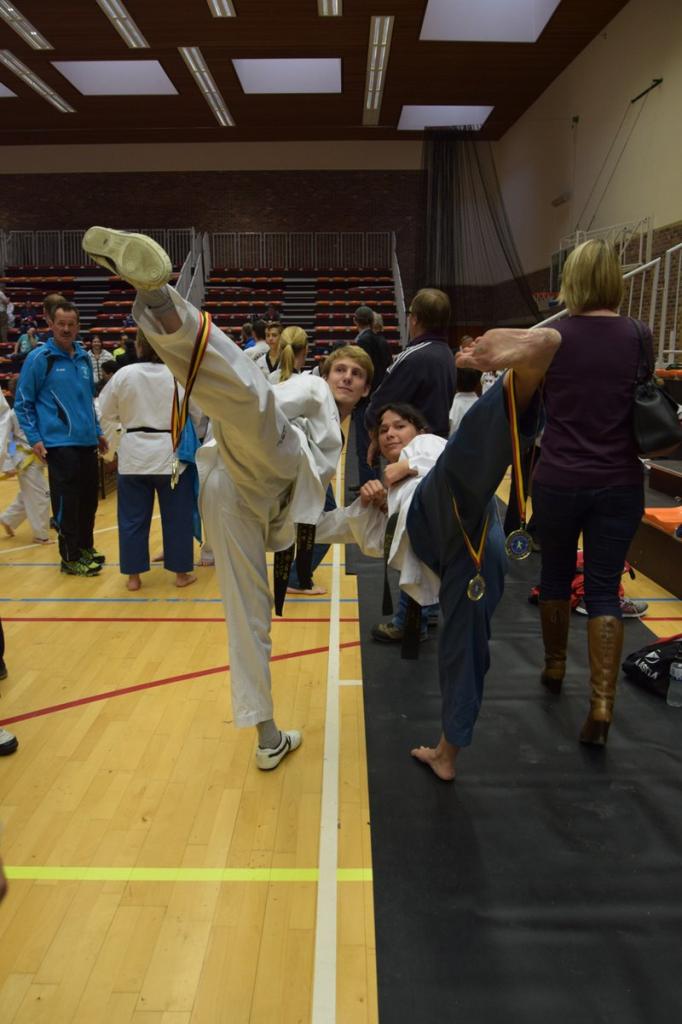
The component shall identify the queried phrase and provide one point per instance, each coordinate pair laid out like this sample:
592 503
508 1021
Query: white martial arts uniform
366 526
33 500
461 404
273 454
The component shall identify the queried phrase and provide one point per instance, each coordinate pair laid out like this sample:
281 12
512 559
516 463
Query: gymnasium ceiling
507 76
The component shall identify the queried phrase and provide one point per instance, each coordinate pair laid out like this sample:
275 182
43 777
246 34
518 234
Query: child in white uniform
33 500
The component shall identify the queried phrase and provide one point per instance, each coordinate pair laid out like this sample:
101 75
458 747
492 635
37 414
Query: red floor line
53 708
662 618
146 618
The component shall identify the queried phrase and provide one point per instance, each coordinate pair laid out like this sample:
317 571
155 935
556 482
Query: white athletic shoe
8 742
136 258
268 758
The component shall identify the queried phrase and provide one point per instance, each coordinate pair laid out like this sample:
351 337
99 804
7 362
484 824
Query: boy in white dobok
275 449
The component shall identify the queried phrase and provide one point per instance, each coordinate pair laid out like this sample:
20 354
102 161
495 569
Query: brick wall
222 201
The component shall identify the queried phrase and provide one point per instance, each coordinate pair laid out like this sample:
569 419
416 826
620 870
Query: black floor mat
545 885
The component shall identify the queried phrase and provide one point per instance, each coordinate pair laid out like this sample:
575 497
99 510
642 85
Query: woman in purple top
589 478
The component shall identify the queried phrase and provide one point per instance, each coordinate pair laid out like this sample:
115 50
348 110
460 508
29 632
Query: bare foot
440 759
184 579
8 530
206 560
505 348
42 540
158 557
134 581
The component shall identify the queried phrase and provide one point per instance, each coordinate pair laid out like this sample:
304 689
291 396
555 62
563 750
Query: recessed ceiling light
116 77
23 27
221 8
5 92
124 24
194 60
380 32
489 21
329 8
30 78
415 118
284 75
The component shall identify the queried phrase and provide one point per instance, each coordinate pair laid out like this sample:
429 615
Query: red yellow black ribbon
476 554
179 413
516 450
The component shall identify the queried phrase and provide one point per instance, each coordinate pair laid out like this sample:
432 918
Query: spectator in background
246 335
292 352
55 409
267 362
4 316
125 354
467 391
17 460
377 349
97 356
260 346
26 343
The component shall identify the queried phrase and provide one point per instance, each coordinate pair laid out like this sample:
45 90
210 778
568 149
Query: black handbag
655 422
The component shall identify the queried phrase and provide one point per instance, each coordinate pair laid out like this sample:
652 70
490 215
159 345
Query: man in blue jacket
54 406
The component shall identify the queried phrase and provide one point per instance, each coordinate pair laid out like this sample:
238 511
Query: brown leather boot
605 645
554 616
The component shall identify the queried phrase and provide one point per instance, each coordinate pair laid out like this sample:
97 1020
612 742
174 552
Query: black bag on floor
649 667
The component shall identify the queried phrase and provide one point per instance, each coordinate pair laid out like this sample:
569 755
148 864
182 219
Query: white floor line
350 682
324 975
28 547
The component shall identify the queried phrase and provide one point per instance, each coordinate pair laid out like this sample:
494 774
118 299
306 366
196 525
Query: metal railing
632 240
671 308
399 293
641 295
302 250
63 248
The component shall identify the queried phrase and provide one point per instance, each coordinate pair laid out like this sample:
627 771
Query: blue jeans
319 550
428 610
608 518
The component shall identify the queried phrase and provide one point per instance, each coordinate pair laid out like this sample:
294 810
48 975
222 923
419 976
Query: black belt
305 541
145 430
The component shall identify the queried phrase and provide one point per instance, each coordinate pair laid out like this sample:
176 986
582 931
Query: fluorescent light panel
329 8
194 60
286 76
30 78
488 21
221 8
116 77
124 24
23 27
414 118
5 92
380 33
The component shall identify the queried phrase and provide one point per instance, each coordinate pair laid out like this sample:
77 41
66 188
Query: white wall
544 155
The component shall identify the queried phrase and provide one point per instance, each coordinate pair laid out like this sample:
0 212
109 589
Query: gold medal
476 587
519 544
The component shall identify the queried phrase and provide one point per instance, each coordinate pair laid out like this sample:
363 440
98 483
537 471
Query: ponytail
292 341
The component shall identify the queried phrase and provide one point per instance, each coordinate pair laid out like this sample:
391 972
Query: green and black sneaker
81 568
91 555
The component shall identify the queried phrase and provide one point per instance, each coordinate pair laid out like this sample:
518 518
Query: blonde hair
354 352
292 341
592 278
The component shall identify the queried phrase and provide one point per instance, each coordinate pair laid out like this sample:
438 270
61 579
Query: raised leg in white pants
238 540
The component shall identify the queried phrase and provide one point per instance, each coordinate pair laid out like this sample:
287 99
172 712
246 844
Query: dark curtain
467 248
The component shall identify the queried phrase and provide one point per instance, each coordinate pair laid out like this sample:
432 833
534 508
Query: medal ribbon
179 413
516 450
476 554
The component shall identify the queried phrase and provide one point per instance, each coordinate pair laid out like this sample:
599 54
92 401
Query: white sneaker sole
136 258
268 758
